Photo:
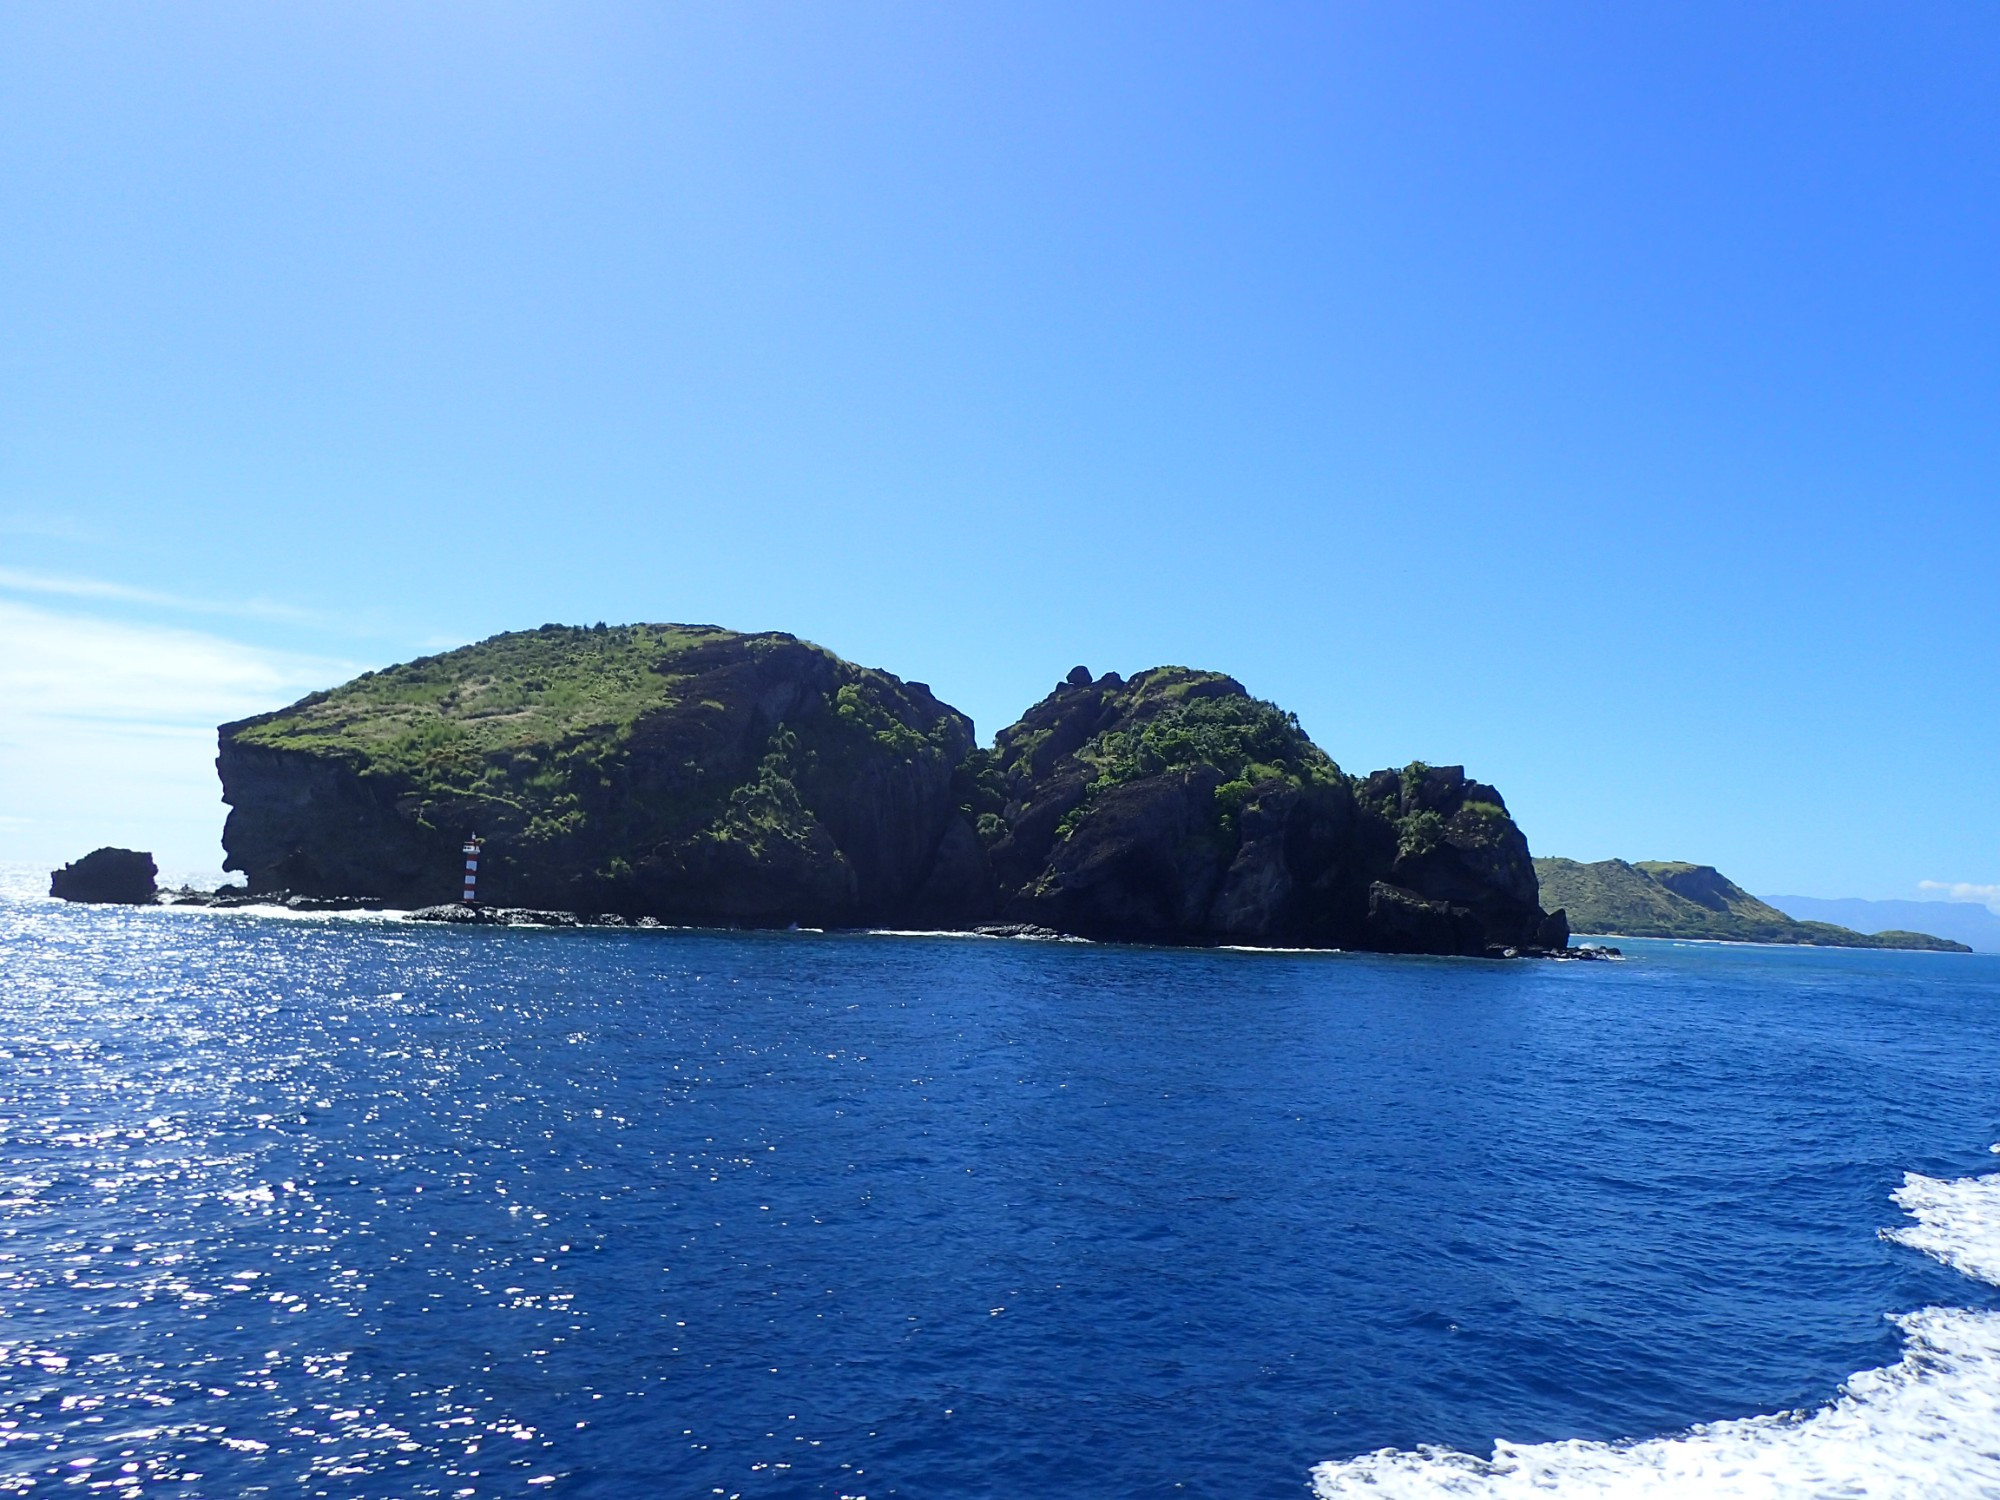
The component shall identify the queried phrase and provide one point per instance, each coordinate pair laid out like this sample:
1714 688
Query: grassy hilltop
1669 898
683 768
528 721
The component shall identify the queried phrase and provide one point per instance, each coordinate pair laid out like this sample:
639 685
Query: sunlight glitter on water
334 1206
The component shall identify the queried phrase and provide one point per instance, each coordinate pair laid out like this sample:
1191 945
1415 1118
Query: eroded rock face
693 775
1401 921
1177 808
111 877
680 772
1456 844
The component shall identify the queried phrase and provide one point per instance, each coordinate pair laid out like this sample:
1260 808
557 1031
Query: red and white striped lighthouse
472 847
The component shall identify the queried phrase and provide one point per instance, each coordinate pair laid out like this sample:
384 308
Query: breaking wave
1928 1425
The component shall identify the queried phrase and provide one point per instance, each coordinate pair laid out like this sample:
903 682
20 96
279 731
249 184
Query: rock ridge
1175 807
694 776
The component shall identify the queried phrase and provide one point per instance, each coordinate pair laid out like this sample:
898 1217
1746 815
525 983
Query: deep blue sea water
364 1208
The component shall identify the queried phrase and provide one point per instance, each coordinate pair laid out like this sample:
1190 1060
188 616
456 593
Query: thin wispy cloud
107 728
1960 890
19 580
71 666
55 528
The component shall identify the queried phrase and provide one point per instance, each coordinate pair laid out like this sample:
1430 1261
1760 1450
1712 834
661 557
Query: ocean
350 1206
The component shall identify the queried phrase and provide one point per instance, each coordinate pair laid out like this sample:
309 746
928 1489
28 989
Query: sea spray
1928 1425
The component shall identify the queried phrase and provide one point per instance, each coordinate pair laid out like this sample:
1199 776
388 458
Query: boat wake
1928 1425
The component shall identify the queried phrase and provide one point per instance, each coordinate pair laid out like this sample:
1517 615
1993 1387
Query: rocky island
689 774
1177 808
678 771
107 877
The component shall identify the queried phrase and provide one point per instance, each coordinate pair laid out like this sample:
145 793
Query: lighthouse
472 845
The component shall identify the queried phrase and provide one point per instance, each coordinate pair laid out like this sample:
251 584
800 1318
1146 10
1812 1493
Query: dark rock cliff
685 773
691 774
110 877
1177 808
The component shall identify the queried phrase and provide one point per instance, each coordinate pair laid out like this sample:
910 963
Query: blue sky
1602 397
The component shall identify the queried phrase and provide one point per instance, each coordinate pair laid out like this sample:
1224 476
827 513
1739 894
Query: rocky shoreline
231 898
690 776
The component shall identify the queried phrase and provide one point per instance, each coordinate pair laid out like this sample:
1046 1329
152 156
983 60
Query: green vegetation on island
687 773
1667 898
1175 806
676 767
528 722
1167 720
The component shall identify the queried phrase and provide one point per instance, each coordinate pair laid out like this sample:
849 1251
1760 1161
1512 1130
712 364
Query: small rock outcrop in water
695 776
120 877
1177 808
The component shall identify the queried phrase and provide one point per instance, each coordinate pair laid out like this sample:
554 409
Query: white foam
1957 1222
1928 1425
1253 948
267 911
926 932
960 932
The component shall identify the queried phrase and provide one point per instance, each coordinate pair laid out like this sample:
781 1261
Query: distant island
691 774
1963 921
1665 898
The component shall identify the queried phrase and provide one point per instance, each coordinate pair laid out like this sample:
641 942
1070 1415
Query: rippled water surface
355 1207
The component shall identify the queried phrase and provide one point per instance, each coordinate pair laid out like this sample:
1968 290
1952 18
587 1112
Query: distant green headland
690 774
1665 898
